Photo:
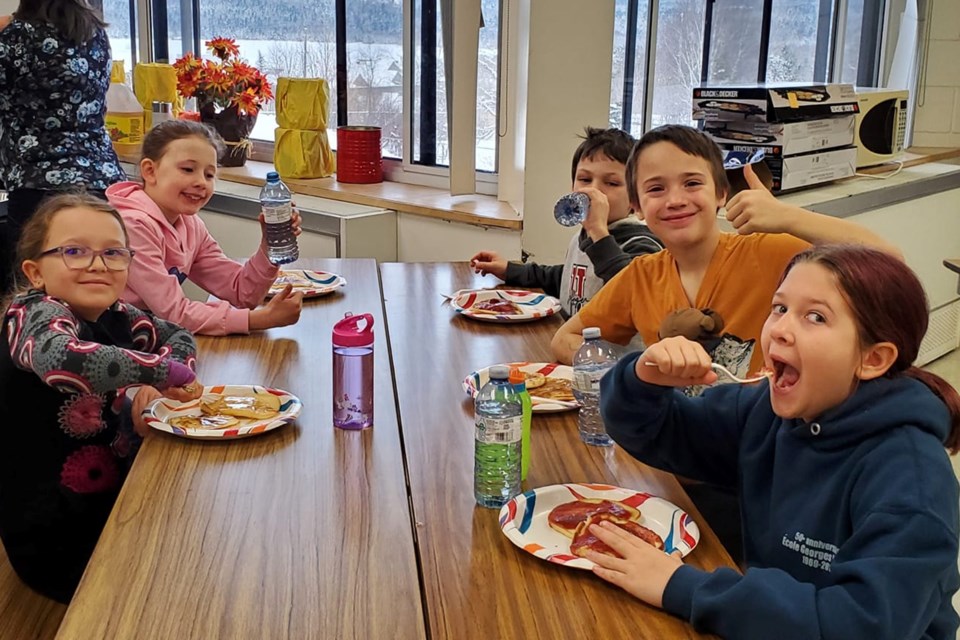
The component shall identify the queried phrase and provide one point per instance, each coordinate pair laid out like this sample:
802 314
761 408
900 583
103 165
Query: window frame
153 21
829 48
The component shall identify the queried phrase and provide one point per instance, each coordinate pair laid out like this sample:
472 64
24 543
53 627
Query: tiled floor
948 367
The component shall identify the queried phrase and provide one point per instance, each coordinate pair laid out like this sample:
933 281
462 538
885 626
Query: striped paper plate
524 520
310 283
517 305
159 413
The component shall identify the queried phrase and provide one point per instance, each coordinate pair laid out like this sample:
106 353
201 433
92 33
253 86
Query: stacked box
301 147
806 132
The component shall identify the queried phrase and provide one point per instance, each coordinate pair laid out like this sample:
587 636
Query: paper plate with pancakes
553 522
310 283
224 412
504 305
549 384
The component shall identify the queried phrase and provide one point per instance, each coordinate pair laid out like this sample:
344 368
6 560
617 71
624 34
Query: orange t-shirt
739 285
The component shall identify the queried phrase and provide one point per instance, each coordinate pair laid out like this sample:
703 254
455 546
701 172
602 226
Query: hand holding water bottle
295 224
595 223
276 211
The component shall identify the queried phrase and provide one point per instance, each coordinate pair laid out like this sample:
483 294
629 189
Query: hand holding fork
679 362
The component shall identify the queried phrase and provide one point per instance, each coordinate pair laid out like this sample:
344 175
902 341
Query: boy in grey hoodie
611 236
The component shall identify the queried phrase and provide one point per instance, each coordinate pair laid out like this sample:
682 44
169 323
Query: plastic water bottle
497 441
519 382
353 372
594 358
275 200
572 209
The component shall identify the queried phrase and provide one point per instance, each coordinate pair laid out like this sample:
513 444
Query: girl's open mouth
785 376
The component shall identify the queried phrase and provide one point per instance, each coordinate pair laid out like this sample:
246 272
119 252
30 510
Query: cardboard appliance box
774 102
794 172
785 139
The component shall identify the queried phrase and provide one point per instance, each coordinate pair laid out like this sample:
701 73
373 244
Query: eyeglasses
79 257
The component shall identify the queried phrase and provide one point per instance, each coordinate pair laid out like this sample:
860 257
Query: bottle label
588 381
277 214
499 430
124 129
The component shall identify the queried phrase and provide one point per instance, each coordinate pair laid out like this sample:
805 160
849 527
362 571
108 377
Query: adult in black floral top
54 75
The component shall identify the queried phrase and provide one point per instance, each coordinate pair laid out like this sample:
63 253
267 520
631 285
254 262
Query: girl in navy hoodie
849 503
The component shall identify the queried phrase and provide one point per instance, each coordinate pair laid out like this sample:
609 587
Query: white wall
8 6
559 72
937 121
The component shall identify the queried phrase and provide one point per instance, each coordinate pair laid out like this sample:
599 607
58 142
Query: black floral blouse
52 105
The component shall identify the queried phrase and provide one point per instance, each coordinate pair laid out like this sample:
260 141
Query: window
734 42
429 111
120 18
358 47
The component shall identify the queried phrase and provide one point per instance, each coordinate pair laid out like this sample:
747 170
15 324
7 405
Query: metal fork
720 369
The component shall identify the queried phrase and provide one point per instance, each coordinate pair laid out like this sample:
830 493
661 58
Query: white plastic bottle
125 117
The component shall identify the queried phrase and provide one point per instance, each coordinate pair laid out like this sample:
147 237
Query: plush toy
694 324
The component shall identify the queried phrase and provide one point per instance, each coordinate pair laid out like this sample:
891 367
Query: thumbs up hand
756 210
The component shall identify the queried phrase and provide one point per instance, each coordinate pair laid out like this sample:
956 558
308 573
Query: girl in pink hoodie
179 170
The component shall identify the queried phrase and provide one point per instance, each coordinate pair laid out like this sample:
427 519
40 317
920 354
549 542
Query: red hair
888 305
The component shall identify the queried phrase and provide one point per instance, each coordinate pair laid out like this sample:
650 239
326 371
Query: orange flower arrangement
230 82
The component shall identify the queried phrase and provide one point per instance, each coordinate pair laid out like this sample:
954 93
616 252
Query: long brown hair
160 137
889 305
75 20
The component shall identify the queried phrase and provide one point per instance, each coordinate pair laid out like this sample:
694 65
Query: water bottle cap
499 372
273 176
347 332
591 332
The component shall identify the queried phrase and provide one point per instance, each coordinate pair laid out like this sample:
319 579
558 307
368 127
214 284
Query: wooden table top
302 532
476 583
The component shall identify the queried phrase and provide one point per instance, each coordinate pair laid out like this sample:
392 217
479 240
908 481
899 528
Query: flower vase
234 127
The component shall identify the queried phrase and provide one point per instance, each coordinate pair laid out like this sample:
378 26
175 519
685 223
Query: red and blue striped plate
159 413
310 283
524 520
530 304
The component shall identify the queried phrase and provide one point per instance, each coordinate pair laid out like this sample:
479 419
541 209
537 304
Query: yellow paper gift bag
298 153
156 81
302 103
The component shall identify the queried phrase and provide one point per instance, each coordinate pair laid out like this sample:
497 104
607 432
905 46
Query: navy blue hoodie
850 523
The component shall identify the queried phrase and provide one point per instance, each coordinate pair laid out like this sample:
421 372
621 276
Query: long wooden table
476 583
302 532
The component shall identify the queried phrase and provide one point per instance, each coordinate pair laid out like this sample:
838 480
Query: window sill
474 209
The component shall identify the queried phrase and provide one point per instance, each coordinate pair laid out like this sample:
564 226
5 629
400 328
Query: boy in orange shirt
677 184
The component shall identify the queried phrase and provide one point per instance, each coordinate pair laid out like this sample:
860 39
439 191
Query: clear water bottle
594 358
497 441
572 209
275 199
353 372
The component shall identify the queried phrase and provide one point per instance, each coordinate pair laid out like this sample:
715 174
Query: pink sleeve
161 293
242 285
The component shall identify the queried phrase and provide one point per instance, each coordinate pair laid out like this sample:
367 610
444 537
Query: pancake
566 517
534 379
583 539
554 389
259 406
204 422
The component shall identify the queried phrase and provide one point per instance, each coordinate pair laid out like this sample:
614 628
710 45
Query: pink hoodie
166 254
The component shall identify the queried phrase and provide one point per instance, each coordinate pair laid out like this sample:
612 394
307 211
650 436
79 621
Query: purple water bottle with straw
353 372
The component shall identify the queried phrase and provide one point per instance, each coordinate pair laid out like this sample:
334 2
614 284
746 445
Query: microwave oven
881 125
